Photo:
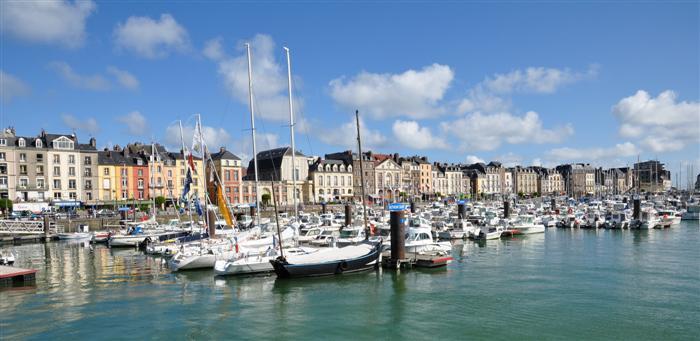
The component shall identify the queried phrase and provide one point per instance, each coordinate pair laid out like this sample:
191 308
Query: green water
564 284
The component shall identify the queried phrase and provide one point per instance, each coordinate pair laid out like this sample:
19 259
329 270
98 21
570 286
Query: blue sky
532 83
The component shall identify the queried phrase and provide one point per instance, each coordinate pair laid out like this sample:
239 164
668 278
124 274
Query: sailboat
332 261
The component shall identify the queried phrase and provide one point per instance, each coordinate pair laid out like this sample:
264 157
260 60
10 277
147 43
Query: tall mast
291 129
362 172
252 128
184 159
204 171
153 178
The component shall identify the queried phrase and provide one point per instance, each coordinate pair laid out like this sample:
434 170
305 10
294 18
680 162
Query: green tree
266 199
5 205
521 195
160 201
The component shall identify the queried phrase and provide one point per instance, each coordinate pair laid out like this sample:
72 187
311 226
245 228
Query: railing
13 227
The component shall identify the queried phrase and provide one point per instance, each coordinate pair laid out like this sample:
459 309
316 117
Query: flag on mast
197 138
223 208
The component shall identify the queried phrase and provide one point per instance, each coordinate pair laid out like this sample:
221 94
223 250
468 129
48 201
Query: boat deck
11 276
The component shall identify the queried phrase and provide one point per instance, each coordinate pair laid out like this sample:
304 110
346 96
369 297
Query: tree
521 195
266 199
160 201
5 205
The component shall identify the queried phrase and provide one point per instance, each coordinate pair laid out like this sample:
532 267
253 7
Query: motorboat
489 232
526 225
310 234
325 238
351 236
669 218
419 239
460 230
648 220
331 261
74 235
7 258
617 220
691 213
100 236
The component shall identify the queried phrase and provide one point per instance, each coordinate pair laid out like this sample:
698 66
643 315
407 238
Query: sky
530 83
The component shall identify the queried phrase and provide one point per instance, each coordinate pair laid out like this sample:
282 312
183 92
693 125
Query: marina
564 283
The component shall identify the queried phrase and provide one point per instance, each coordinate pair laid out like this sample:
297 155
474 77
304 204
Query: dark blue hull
285 270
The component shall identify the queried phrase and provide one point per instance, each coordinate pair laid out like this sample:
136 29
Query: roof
224 155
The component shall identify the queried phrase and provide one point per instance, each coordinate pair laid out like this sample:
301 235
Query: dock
420 260
14 277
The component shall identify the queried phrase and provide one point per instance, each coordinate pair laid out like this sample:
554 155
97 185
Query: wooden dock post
398 235
348 215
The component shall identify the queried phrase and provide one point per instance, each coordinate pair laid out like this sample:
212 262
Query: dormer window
21 142
3 142
38 143
63 143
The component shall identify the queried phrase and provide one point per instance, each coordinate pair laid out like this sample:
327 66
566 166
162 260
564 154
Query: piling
413 207
252 211
506 209
553 204
323 207
348 215
397 221
212 223
46 228
460 211
637 209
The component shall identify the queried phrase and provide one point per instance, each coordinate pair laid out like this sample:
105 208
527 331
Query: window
23 183
57 195
88 195
196 183
228 189
123 171
57 184
88 184
296 173
88 160
63 143
227 175
182 171
57 171
71 184
2 156
140 172
170 183
320 180
140 183
160 182
57 159
335 180
39 157
159 170
71 159
72 195
3 142
3 181
71 171
235 175
140 194
105 171
342 181
88 172
22 142
38 143
106 184
22 157
125 195
23 169
170 173
328 180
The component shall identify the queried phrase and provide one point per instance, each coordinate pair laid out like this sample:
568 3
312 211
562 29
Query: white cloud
535 80
346 136
414 94
510 159
479 99
264 141
88 125
411 135
12 87
213 49
620 150
662 124
213 137
151 38
479 131
135 122
471 159
49 22
90 82
537 162
269 77
124 78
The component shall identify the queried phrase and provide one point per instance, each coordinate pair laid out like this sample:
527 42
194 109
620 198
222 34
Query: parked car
104 213
66 215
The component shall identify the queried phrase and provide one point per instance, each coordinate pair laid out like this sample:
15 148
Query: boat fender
343 266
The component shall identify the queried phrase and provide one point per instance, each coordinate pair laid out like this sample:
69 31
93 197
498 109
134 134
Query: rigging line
301 114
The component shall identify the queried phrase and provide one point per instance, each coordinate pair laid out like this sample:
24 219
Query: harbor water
563 284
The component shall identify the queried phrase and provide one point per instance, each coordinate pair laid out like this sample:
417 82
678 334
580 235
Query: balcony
29 187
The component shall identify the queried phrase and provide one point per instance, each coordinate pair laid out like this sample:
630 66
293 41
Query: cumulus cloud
136 124
413 93
48 22
88 125
621 150
661 123
94 82
535 80
479 99
269 77
346 136
411 135
124 78
244 147
214 137
12 87
479 131
510 159
471 159
151 38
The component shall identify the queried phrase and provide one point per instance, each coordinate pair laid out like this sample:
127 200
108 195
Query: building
579 179
228 168
525 180
488 179
332 180
276 165
367 167
388 175
652 175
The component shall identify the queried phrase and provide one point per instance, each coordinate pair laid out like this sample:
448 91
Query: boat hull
366 262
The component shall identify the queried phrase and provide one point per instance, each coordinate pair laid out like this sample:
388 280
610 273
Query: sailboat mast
252 129
362 172
291 133
153 179
184 159
204 171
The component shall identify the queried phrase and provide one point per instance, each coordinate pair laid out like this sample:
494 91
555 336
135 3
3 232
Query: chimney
222 150
93 142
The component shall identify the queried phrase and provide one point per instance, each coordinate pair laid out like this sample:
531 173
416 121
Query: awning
67 203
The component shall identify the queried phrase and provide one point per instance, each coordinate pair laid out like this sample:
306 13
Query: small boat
692 213
75 235
331 261
7 258
526 225
490 233
100 236
251 264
